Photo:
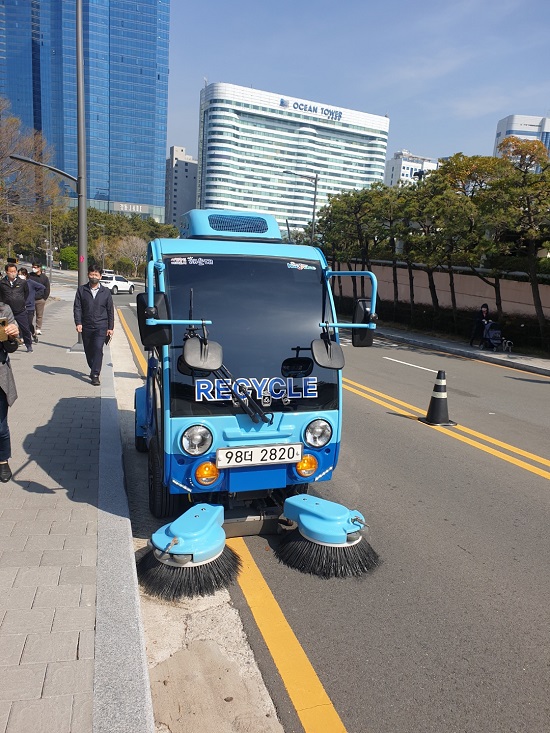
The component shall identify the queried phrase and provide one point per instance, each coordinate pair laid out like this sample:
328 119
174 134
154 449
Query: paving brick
88 596
92 528
60 557
37 620
49 715
10 500
7 577
80 542
20 559
56 647
18 514
60 596
72 619
38 576
11 647
35 502
34 527
82 718
89 557
45 542
5 708
69 528
85 512
78 576
6 527
86 645
22 682
69 678
13 542
15 598
58 514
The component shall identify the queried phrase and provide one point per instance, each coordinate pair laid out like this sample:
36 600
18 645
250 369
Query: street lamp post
314 180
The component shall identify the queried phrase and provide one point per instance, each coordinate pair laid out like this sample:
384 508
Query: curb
122 691
480 356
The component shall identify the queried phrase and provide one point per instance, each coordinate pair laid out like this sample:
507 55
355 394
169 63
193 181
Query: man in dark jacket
94 318
14 292
41 298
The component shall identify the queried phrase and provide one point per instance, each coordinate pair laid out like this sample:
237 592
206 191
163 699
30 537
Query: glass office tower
126 91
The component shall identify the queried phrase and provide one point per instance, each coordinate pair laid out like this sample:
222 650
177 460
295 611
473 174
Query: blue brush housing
199 533
323 521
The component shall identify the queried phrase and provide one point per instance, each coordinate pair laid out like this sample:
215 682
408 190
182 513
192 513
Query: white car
117 284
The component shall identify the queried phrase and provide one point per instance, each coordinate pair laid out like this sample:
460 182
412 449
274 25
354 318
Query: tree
25 190
473 218
525 205
133 249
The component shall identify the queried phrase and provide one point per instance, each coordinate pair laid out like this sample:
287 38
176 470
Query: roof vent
238 223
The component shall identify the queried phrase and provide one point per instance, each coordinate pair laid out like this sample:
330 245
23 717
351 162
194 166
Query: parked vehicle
244 388
117 284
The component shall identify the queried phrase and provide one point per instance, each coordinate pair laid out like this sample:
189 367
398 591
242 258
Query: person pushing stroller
480 321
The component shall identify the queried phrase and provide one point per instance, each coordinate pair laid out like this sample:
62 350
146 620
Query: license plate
258 455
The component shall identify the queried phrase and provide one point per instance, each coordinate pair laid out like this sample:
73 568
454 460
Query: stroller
493 338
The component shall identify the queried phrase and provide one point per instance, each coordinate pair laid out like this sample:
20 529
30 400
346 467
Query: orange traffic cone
438 412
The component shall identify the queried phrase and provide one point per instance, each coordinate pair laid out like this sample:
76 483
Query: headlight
318 433
196 440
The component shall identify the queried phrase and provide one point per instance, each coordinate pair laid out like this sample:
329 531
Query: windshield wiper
243 398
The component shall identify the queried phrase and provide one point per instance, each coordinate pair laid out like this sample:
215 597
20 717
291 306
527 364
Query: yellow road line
453 434
315 709
133 343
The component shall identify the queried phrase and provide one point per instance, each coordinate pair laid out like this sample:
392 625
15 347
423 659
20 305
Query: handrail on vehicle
358 273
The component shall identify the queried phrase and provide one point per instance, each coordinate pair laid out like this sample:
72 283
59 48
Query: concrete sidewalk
72 655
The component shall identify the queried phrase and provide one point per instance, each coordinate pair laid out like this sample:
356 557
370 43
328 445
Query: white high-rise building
181 185
526 127
283 155
404 165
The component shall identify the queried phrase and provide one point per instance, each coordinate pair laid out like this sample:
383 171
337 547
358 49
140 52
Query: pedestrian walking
35 287
480 321
8 393
41 298
94 318
14 292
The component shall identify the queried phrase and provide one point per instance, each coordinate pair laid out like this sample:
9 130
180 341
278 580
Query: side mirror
204 357
362 314
327 353
153 336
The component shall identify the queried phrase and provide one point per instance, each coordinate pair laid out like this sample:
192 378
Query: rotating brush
189 557
329 540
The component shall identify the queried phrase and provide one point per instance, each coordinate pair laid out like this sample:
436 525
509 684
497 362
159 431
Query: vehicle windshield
265 312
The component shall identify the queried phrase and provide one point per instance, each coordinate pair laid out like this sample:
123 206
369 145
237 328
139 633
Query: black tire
161 503
131 289
114 290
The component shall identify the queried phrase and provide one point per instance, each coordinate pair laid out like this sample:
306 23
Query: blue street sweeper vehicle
241 412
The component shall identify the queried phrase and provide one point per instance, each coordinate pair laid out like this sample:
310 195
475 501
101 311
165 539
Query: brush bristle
171 583
326 561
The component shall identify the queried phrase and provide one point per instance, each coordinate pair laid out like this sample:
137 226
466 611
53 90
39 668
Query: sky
443 71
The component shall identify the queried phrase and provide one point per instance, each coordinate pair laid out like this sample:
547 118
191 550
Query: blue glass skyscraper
126 91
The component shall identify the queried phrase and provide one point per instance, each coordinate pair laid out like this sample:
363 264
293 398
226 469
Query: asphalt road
450 633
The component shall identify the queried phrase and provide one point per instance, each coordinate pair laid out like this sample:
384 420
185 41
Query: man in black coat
94 318
14 292
42 296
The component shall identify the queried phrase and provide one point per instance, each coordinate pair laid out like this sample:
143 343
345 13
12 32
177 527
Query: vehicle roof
166 247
